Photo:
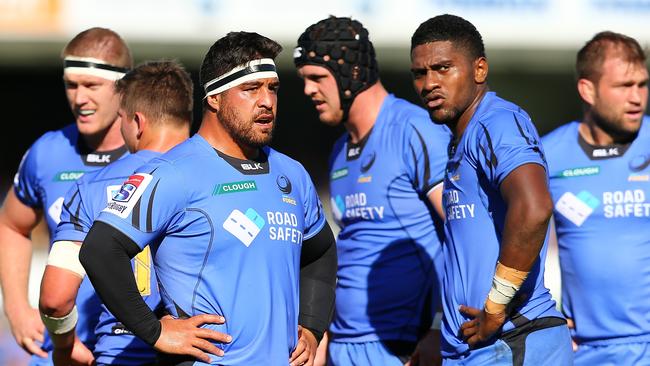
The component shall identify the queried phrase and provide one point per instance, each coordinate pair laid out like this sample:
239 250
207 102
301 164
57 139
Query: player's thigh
360 354
637 354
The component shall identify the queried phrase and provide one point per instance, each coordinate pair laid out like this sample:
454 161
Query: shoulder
56 139
561 134
407 120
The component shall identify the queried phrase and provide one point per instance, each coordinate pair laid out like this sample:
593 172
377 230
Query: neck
458 126
364 111
216 135
164 138
595 135
106 140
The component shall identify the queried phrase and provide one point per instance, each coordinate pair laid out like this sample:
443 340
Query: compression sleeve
318 265
106 255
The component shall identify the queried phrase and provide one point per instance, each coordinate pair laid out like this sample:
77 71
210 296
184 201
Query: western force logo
234 187
68 176
130 192
244 226
284 184
367 162
577 208
639 163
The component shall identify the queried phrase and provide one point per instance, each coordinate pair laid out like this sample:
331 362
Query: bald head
100 43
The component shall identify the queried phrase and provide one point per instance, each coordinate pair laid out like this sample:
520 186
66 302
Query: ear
214 101
480 70
141 121
587 90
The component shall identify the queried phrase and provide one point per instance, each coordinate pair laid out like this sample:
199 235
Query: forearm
106 255
523 236
15 260
318 282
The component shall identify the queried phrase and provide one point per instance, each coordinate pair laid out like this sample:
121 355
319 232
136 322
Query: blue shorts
362 354
637 354
544 347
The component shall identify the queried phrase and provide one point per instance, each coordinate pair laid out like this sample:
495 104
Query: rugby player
92 61
243 253
497 205
156 114
384 181
599 182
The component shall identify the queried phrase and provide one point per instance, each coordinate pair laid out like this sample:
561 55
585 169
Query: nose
310 88
81 95
267 98
638 94
431 81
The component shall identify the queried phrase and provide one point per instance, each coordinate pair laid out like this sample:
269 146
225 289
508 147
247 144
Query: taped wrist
106 255
505 284
61 325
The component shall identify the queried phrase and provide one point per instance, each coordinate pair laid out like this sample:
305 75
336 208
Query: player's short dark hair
450 28
162 90
592 55
100 43
235 49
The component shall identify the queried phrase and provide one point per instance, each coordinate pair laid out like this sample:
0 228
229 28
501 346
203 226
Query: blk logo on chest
252 166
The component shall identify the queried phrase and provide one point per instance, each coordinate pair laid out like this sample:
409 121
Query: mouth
434 101
634 114
264 118
86 112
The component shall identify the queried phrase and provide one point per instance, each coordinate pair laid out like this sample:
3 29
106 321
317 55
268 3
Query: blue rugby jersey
388 247
83 203
602 220
48 170
226 236
499 138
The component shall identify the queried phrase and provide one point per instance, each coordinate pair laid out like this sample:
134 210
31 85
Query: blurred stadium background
531 46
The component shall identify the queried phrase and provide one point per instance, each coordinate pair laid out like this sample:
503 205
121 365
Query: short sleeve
425 155
26 184
505 142
314 215
76 217
147 204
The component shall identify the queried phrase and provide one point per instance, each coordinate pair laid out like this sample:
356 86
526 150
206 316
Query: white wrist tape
61 325
65 254
437 320
502 291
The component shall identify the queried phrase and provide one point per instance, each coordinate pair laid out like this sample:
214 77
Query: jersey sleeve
148 204
505 142
26 183
76 217
314 214
425 155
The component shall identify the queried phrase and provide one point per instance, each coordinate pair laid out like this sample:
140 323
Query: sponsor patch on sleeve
128 195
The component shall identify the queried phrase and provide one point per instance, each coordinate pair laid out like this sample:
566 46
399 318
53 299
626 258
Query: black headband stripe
241 73
93 65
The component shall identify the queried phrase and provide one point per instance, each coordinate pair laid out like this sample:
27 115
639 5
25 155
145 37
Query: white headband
92 66
255 69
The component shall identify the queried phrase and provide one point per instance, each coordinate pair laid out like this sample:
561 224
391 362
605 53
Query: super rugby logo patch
128 195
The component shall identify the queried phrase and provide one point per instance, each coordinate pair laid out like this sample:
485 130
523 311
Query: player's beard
243 132
614 127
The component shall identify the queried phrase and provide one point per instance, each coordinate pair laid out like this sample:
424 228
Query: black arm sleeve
106 255
318 265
